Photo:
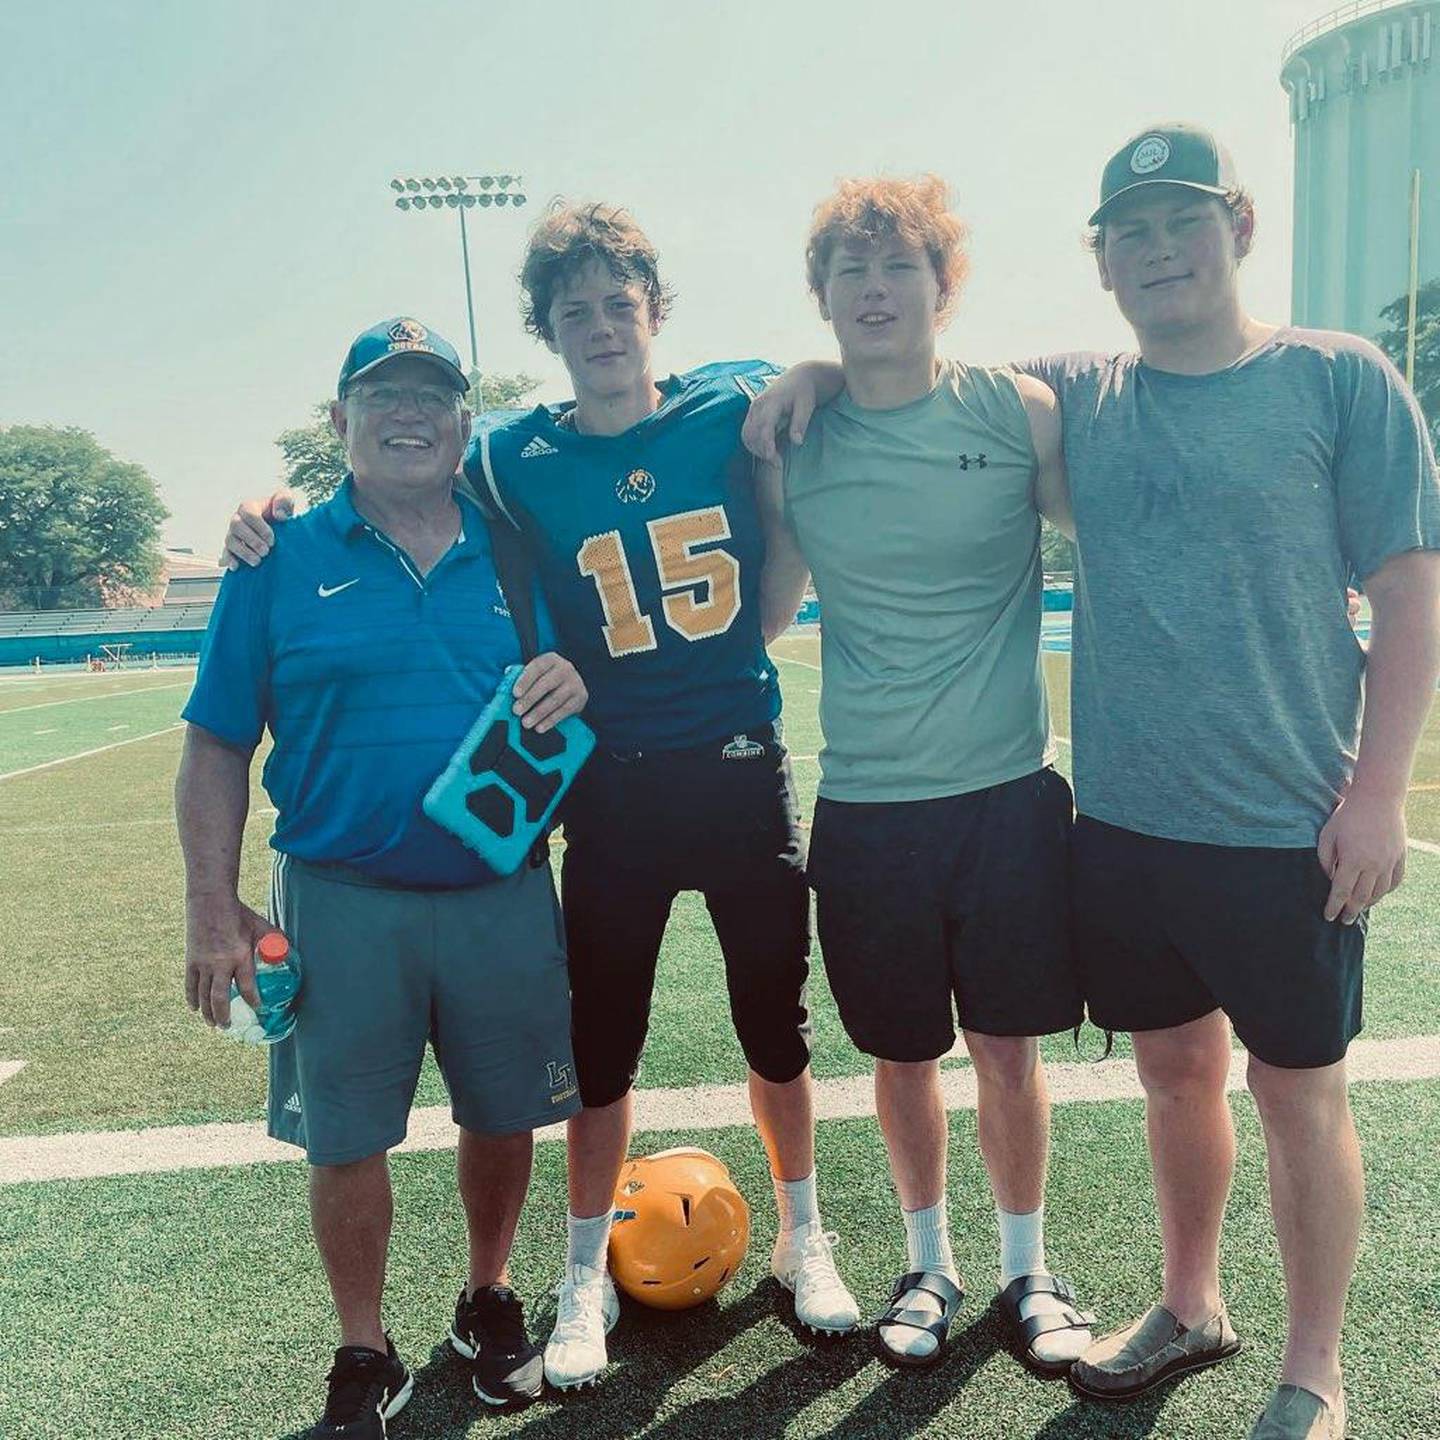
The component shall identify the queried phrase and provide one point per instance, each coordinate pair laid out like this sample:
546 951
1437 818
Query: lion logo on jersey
635 488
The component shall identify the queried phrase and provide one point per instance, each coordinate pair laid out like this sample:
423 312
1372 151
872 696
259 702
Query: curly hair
569 238
873 210
1239 202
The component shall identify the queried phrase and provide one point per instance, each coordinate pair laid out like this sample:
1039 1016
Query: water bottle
277 979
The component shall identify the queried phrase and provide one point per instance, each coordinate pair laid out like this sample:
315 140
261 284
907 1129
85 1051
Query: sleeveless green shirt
920 529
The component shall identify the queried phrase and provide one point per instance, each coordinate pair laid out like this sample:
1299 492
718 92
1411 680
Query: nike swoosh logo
326 591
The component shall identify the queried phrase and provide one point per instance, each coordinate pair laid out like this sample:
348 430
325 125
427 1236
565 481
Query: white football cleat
804 1263
585 1314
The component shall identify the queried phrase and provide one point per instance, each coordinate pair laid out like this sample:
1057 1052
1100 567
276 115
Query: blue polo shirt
368 676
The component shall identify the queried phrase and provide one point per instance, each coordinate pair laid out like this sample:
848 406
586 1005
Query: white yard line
84 754
95 1154
791 660
1425 845
10 1068
85 699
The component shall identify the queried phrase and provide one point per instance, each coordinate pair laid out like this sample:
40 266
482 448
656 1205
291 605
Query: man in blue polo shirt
367 649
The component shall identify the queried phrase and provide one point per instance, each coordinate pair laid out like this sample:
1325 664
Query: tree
314 459
500 392
1057 552
1427 346
77 526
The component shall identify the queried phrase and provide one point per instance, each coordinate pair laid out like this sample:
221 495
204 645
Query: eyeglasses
381 399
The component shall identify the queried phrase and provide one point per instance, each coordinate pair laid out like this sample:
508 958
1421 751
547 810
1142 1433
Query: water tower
1364 86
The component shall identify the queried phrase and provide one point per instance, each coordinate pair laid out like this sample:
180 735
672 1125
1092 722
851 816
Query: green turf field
125 1298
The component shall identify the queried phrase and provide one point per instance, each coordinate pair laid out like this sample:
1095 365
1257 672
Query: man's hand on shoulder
250 538
548 691
221 934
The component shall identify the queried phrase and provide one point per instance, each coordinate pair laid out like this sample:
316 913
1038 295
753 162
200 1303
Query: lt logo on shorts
562 1086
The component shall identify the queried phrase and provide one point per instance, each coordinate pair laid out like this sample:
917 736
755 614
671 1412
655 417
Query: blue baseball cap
390 339
1167 155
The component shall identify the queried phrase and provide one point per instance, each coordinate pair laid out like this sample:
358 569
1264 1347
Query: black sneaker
366 1389
490 1330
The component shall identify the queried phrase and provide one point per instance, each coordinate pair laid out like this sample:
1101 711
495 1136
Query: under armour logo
978 461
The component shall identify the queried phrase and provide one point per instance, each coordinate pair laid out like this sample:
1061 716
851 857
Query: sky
197 217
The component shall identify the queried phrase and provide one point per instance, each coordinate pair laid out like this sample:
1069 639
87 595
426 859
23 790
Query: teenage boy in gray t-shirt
1217 746
1235 822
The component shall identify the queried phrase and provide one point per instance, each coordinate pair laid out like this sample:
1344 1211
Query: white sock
927 1244
586 1240
1022 1252
1022 1244
797 1203
927 1239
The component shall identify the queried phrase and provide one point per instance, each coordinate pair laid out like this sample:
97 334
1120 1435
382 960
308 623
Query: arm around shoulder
1052 490
785 575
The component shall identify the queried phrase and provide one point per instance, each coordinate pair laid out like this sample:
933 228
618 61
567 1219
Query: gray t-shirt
1215 695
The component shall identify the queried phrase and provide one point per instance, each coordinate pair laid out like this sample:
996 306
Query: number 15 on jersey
701 593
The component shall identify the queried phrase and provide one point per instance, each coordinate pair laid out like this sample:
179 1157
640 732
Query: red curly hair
871 211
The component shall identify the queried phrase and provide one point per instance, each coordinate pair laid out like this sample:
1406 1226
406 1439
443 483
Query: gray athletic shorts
479 973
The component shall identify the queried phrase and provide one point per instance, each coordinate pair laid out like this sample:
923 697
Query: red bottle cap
273 949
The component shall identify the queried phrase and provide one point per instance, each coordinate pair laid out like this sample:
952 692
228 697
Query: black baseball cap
390 339
1171 154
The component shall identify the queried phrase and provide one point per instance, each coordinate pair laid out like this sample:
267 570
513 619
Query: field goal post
114 656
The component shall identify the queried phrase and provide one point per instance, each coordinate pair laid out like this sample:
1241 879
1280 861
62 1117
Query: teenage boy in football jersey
1236 819
639 504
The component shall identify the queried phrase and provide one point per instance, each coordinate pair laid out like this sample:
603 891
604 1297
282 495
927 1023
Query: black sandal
1026 1332
950 1296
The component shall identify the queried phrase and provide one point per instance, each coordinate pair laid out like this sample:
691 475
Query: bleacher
57 636
192 615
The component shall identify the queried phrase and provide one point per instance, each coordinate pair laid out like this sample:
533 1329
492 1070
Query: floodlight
436 201
517 199
502 198
443 182
412 184
487 181
401 203
486 199
467 201
452 201
459 182
397 184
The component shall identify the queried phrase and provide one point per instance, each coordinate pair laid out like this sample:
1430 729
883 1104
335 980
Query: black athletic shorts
721 819
920 901
1167 931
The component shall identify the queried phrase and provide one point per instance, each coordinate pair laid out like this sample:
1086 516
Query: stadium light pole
454 192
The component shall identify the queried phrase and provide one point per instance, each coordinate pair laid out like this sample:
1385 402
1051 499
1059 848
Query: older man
368 648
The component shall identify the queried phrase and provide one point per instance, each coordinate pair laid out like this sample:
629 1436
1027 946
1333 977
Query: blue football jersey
649 549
